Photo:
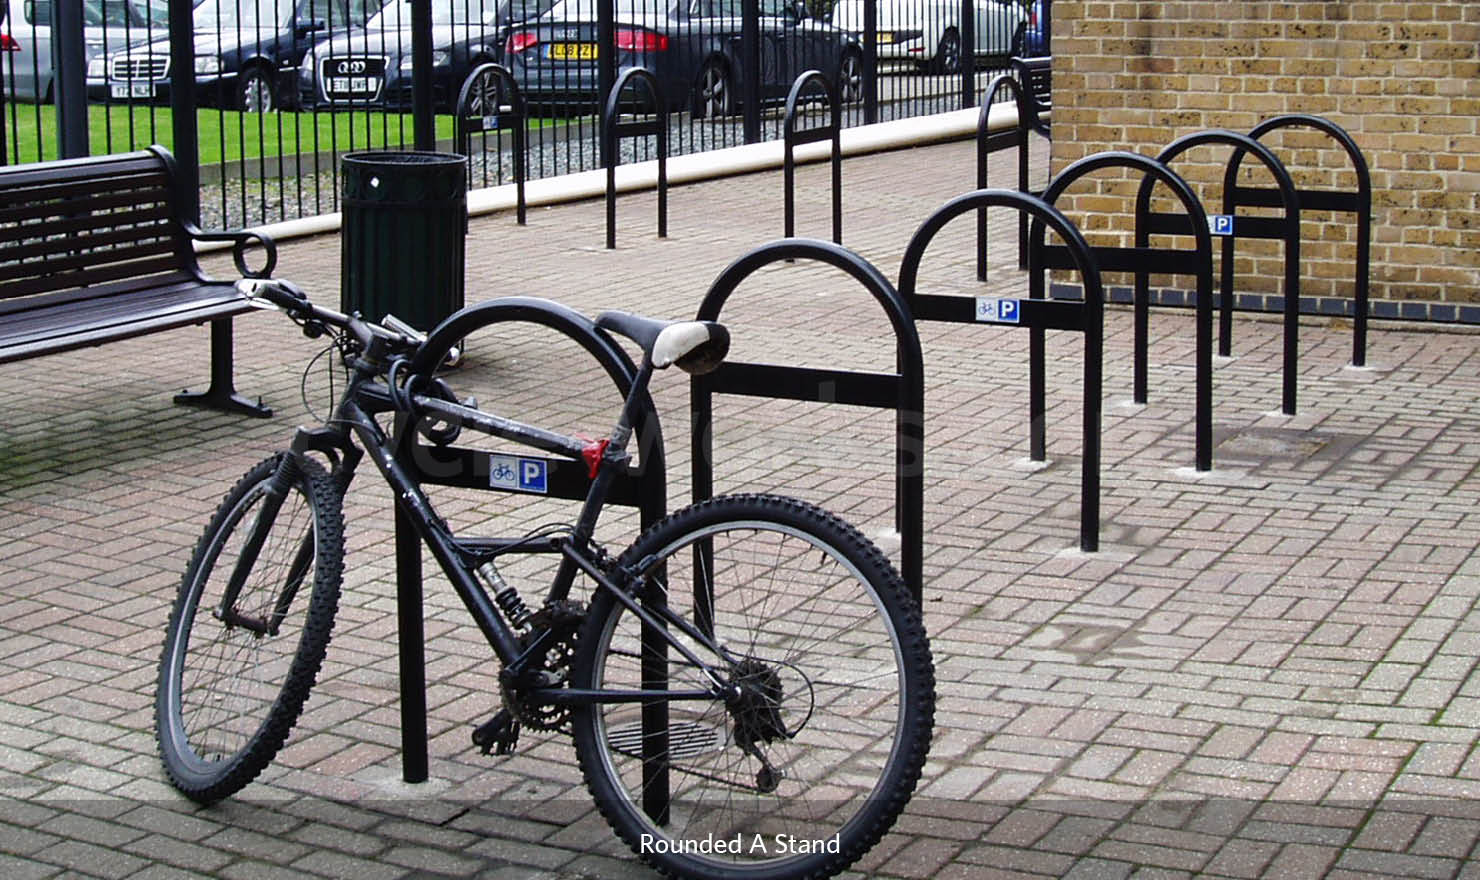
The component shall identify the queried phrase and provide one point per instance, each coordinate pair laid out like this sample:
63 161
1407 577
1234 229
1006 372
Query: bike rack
1142 260
561 478
793 138
613 130
1037 314
507 116
1358 203
902 390
988 142
1229 227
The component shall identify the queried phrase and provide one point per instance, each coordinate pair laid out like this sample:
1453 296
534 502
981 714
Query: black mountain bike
749 689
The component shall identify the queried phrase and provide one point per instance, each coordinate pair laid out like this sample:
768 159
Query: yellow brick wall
1402 78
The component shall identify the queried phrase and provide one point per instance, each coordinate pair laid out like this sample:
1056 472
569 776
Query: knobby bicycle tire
232 684
821 745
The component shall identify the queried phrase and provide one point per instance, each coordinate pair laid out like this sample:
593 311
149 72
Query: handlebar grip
284 294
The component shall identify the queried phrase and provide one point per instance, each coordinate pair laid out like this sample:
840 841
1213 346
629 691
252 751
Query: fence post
423 133
968 53
183 124
750 50
870 61
69 89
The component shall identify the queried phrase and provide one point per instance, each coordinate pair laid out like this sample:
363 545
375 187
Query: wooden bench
95 250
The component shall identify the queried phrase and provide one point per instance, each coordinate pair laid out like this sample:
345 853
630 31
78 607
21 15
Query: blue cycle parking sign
992 310
518 473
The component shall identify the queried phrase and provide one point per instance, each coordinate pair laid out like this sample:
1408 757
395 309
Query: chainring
563 620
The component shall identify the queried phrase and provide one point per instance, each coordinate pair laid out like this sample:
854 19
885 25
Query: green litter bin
405 225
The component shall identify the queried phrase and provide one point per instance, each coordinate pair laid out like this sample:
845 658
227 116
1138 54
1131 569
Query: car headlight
97 68
207 64
439 59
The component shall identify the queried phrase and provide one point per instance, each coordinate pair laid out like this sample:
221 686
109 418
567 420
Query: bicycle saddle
695 347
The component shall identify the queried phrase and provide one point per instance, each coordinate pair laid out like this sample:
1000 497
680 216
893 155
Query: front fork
344 456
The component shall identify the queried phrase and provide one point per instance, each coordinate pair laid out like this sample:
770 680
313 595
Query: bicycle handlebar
290 298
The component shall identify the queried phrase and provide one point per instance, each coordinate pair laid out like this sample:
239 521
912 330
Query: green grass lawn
225 135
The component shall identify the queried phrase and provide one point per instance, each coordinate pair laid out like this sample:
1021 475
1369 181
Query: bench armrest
240 240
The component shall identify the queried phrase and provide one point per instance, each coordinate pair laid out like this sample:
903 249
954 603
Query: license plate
572 51
132 90
885 36
353 77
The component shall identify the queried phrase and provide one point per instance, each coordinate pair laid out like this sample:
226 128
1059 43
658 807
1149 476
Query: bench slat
171 312
82 264
62 240
60 281
101 291
89 167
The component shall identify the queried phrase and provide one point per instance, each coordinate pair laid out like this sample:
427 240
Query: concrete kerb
896 134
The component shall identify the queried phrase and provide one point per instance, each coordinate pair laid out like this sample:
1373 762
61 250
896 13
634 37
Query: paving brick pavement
1268 670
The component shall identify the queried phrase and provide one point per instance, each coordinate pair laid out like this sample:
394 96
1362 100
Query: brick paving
1268 670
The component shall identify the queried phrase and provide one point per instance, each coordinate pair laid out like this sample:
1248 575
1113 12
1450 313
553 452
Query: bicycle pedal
498 735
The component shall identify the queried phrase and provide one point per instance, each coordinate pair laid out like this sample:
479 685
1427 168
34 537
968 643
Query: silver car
108 26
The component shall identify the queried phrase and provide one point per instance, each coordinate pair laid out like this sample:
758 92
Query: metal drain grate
686 739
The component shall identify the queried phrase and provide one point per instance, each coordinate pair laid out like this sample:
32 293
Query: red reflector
635 40
593 453
520 41
8 43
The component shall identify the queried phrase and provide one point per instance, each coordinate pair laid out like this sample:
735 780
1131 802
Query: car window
38 12
232 16
150 12
333 12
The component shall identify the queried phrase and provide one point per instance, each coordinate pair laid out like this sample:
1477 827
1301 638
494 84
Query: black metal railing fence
262 97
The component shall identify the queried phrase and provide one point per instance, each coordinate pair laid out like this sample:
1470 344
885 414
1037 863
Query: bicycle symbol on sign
503 472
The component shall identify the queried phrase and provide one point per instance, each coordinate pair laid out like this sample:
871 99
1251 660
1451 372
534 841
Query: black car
247 52
692 47
371 66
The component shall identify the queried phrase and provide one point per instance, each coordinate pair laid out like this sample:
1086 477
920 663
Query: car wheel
713 95
948 54
486 94
254 92
850 78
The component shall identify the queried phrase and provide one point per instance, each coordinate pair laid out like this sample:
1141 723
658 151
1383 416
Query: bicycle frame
366 396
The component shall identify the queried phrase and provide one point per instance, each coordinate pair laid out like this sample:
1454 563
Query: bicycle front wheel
827 689
249 627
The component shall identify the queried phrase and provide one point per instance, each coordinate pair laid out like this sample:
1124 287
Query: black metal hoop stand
792 138
1358 203
902 391
1286 229
613 130
1143 259
1037 314
645 489
507 116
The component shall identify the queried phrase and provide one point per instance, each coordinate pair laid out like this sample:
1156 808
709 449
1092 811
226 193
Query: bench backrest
100 225
1036 75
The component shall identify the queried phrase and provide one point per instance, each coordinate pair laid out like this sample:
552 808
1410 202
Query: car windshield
396 16
243 15
626 10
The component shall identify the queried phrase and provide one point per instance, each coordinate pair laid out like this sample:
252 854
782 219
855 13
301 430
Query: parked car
928 32
372 66
1036 39
692 47
247 52
107 25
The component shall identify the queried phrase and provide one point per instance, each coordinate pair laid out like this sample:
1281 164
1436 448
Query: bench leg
222 393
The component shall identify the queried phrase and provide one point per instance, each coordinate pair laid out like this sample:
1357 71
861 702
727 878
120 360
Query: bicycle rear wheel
820 742
234 675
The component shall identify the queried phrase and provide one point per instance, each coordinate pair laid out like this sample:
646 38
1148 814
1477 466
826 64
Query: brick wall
1402 78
